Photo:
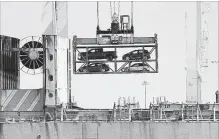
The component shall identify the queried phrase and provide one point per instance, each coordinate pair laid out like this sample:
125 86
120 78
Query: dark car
137 55
95 67
97 53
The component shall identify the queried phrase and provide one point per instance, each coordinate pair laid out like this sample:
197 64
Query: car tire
103 70
84 70
110 58
145 58
144 70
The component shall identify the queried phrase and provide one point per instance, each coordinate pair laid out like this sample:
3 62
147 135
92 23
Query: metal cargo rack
138 42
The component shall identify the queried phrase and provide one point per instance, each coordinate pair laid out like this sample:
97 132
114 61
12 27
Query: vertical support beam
218 48
161 116
68 77
151 111
156 51
86 58
5 66
145 91
130 114
69 67
197 111
55 64
74 44
50 71
70 71
198 45
114 114
143 60
62 113
17 67
115 61
44 41
0 17
182 112
9 66
1 62
129 66
214 113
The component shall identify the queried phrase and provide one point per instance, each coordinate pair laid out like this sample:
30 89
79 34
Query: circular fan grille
32 55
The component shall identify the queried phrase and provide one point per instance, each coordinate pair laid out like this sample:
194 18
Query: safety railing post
197 109
214 112
182 111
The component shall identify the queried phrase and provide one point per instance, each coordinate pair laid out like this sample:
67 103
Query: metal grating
9 63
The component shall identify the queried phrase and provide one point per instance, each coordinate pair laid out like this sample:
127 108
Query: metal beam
144 40
105 61
86 41
115 46
115 72
24 49
137 40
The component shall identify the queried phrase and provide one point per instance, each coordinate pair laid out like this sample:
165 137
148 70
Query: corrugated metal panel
22 100
9 63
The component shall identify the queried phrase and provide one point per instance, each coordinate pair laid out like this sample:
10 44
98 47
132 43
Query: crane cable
114 6
111 11
118 8
111 15
97 13
119 13
131 13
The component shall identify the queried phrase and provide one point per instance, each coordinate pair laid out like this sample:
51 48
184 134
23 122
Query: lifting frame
138 42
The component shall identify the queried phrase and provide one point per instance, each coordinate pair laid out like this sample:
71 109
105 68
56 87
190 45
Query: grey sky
167 19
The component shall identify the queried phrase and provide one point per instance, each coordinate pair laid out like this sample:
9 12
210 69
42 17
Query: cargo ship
37 113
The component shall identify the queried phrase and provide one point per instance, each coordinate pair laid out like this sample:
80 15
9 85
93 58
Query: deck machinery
120 36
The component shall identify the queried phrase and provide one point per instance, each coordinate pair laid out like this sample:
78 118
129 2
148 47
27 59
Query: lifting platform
80 44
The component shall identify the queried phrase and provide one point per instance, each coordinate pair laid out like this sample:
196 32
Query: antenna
218 47
198 50
186 53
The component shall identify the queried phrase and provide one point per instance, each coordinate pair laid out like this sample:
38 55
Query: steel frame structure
138 42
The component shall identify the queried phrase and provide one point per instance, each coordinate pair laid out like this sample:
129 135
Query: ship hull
114 130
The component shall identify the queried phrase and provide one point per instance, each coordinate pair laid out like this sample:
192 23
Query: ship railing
108 116
21 116
189 115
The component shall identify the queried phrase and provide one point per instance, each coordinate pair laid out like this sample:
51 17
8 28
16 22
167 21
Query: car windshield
91 50
141 64
92 64
145 51
134 52
134 65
